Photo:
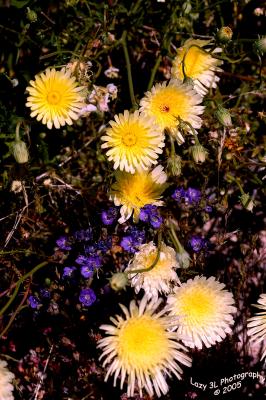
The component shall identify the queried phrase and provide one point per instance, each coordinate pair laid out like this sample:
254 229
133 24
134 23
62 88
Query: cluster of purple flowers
133 239
150 214
189 196
109 216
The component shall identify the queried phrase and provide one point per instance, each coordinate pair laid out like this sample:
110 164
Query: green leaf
19 4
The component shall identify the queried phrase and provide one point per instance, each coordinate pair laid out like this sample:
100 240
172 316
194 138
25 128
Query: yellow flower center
196 305
142 343
129 139
54 97
196 61
164 108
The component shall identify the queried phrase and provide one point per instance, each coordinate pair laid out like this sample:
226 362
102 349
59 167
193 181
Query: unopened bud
260 45
199 153
31 15
247 201
224 34
118 281
20 152
183 258
186 7
224 116
174 165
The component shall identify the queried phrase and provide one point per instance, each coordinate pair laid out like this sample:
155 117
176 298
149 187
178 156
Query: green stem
19 282
193 131
129 73
138 271
154 70
175 239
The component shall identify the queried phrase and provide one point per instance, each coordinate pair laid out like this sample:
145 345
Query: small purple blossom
94 262
150 214
34 302
82 260
137 235
208 209
192 195
156 221
90 250
86 271
45 293
68 272
104 245
87 297
109 216
178 194
128 244
196 243
63 243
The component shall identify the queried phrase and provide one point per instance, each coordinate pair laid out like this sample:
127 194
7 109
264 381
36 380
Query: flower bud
224 116
174 165
118 281
224 34
20 152
260 45
31 15
199 153
183 258
247 201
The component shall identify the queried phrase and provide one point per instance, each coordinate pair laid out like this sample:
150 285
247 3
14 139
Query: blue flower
94 262
34 302
178 194
68 272
192 195
128 244
87 297
104 245
150 214
156 221
63 243
109 216
196 243
86 271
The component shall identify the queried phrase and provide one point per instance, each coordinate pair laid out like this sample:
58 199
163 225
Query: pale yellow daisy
133 192
134 142
204 309
170 103
257 325
198 65
6 386
55 98
161 278
139 348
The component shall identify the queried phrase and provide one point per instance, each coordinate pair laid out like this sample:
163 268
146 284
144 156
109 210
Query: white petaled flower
134 191
170 103
6 377
198 64
140 349
133 142
161 278
257 325
204 309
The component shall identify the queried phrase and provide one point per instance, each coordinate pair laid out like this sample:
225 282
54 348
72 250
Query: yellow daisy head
257 325
168 103
55 98
198 64
134 142
133 192
159 279
139 347
204 310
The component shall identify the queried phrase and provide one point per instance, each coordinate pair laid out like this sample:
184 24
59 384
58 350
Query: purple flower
208 209
86 271
34 302
63 243
45 293
138 236
82 260
192 196
178 194
109 216
89 250
94 262
128 243
196 243
104 245
149 213
87 297
68 272
84 235
156 221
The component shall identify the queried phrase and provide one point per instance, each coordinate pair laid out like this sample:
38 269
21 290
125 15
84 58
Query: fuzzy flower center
129 139
197 305
142 343
164 108
54 97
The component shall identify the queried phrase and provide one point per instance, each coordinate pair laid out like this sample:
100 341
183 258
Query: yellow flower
159 279
257 325
198 65
204 310
55 98
169 103
140 348
135 191
134 142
